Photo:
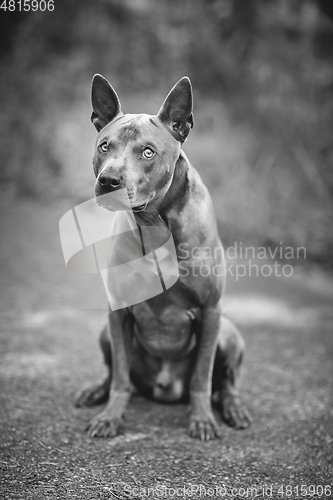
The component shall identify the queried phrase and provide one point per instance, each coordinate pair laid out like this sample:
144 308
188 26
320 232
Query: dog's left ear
105 102
176 111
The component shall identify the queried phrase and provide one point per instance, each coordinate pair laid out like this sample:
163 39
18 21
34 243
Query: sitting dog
178 345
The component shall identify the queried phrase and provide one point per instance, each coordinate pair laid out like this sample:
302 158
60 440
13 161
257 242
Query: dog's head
138 151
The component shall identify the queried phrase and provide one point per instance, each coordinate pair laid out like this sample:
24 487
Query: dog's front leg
109 422
202 422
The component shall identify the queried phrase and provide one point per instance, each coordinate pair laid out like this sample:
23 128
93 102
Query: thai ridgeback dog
178 345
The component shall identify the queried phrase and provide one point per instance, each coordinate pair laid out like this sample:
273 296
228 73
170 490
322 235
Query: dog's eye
104 147
148 153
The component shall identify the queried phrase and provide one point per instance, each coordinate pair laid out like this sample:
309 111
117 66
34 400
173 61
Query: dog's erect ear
176 111
105 102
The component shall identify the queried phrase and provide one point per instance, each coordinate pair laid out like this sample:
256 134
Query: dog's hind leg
99 392
228 360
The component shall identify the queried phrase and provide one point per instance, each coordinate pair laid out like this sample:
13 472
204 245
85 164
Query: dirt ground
50 321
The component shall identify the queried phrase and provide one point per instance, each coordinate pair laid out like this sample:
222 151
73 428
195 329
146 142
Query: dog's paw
104 426
205 430
235 414
94 395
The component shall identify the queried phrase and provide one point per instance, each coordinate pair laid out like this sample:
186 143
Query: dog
178 345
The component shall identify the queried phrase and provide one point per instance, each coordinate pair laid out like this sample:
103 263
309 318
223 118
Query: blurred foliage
262 74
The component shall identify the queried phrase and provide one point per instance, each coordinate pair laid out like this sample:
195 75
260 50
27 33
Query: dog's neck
168 208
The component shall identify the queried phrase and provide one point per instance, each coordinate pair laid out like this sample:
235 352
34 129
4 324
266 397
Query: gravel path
50 321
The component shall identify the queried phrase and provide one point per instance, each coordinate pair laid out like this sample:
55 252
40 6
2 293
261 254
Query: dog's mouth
140 208
143 206
121 200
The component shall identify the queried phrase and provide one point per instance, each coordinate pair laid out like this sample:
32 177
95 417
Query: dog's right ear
105 102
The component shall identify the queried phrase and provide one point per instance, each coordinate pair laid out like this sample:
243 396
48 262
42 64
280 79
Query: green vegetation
262 74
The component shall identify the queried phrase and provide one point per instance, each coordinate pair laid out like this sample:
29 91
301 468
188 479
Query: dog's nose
110 182
163 380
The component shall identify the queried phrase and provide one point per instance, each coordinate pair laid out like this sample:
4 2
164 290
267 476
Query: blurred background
262 73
